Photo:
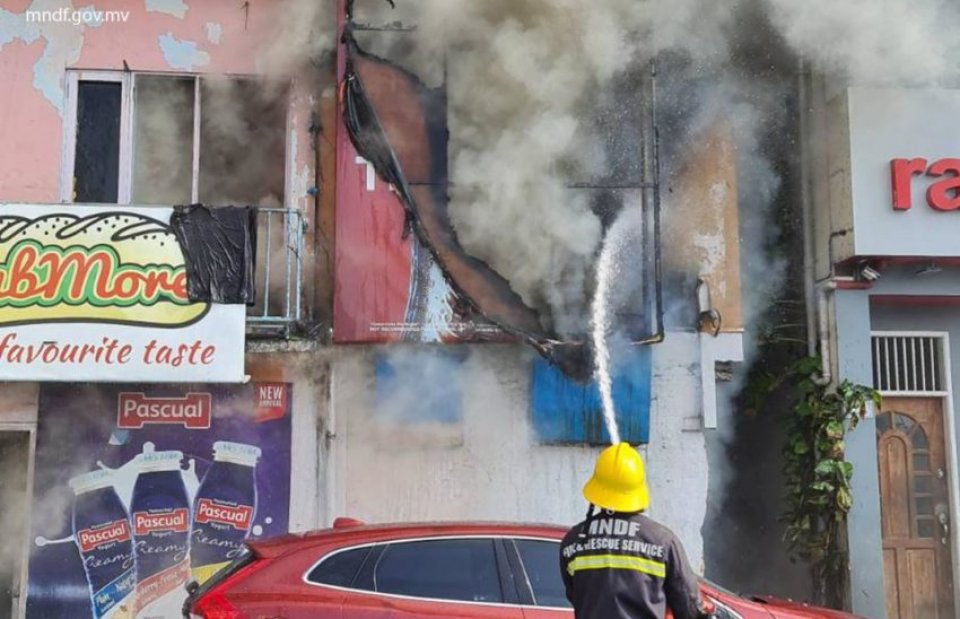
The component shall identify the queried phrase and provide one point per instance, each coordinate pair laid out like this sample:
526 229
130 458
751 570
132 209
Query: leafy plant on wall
818 494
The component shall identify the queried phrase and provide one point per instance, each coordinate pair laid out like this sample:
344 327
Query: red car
412 571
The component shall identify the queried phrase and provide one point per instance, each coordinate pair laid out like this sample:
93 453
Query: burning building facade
422 194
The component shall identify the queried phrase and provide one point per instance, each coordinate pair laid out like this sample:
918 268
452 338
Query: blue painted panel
564 411
418 385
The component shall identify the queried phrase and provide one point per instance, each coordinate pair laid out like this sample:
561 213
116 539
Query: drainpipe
816 297
807 208
327 433
823 292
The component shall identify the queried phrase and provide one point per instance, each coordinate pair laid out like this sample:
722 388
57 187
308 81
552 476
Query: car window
454 569
339 569
541 562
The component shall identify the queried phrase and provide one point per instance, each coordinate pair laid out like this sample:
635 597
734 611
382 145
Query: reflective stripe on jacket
626 566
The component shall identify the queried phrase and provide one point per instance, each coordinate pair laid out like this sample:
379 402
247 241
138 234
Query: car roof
350 534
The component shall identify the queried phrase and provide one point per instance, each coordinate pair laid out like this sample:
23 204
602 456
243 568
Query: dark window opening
96 169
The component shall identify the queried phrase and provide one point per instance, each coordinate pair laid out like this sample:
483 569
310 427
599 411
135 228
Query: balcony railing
277 308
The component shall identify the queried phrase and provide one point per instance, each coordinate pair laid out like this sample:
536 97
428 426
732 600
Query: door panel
532 612
421 579
373 606
915 513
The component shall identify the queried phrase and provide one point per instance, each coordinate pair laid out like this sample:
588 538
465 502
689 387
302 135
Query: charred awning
399 124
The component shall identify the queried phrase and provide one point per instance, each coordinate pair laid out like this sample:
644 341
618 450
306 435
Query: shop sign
100 294
126 513
904 173
942 179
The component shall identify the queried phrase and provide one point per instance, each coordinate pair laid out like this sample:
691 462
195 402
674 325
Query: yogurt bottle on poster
160 518
224 508
101 530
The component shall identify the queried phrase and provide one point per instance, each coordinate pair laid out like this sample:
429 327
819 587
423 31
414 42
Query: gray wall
852 309
904 281
857 314
891 318
493 467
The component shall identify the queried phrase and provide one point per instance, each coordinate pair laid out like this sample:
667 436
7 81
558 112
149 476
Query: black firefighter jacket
626 566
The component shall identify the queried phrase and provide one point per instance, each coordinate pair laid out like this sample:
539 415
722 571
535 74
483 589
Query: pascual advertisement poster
140 489
101 294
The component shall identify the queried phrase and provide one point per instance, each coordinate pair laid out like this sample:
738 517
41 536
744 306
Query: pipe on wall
823 292
806 206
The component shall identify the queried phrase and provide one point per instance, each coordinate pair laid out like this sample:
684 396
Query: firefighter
620 564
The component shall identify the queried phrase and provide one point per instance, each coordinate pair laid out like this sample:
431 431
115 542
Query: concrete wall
212 36
307 370
493 467
852 320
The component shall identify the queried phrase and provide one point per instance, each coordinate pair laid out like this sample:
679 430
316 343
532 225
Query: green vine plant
818 495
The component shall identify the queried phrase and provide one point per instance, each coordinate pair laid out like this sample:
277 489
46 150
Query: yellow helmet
619 481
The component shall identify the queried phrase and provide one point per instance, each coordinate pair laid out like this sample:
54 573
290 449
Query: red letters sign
116 531
942 194
168 520
134 410
236 516
271 401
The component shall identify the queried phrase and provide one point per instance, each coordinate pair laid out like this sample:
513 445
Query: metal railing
278 272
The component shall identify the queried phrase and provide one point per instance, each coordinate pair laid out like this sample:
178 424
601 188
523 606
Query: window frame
69 141
481 542
505 569
128 111
520 572
370 552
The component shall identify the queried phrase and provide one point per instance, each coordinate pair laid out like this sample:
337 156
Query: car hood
789 609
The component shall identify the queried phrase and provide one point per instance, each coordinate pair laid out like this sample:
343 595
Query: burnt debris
399 124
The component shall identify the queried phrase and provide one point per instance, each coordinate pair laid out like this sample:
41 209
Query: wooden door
914 503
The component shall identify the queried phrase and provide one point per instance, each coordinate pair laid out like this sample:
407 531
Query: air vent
908 364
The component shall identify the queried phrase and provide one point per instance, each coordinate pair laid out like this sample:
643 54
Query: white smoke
894 42
525 79
417 398
301 34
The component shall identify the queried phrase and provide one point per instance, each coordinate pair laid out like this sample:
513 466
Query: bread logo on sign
117 267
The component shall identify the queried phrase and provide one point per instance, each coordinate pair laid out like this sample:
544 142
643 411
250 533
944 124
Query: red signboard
134 410
94 537
176 520
236 516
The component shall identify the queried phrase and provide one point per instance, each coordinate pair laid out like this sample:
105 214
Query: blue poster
139 489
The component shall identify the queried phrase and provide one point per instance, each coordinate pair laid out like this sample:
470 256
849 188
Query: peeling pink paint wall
187 36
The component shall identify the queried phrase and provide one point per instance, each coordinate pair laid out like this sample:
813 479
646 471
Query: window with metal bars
908 364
